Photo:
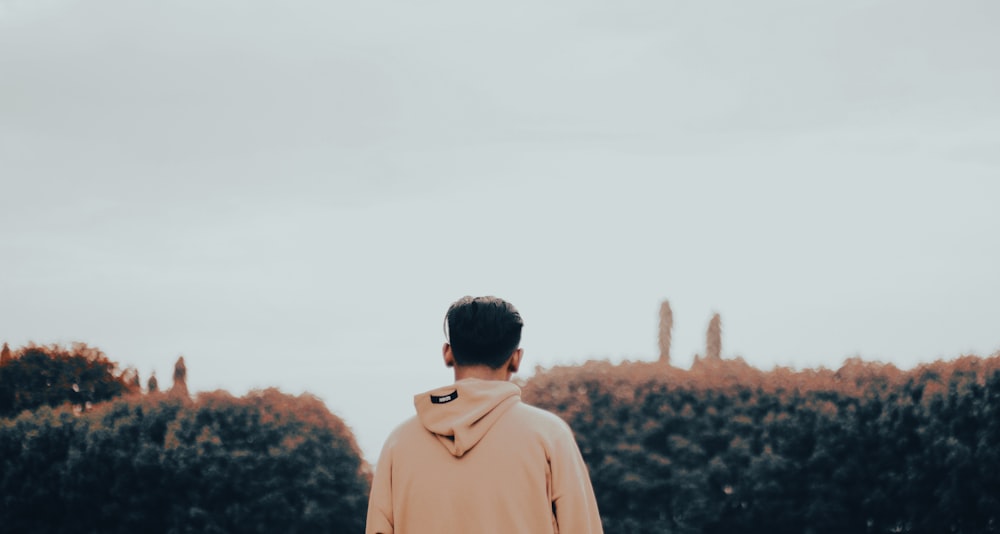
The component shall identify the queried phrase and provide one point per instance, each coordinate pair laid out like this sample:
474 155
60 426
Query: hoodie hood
460 415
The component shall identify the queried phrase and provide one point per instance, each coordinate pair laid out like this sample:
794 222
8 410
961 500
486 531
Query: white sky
291 193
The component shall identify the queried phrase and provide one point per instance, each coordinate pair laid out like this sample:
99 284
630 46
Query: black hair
483 330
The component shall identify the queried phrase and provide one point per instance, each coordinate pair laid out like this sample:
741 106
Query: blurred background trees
724 447
265 462
35 376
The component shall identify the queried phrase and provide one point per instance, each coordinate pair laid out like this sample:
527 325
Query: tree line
164 462
36 376
724 447
721 447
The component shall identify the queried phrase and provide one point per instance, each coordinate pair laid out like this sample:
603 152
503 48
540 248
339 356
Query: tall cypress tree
666 326
713 339
179 388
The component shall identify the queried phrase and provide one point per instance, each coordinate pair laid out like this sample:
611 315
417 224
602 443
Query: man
475 459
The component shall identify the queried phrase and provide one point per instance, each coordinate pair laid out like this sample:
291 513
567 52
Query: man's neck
481 372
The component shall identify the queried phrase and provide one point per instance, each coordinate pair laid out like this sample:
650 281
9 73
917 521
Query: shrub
266 462
725 447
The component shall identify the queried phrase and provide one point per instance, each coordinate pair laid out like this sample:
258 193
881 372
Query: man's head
482 331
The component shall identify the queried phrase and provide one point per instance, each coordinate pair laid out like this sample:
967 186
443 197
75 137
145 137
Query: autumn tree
666 327
37 376
265 462
131 377
728 448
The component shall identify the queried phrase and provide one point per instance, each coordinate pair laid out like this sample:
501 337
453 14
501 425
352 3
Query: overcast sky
291 194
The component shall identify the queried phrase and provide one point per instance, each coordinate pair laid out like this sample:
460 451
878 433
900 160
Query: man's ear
515 360
449 356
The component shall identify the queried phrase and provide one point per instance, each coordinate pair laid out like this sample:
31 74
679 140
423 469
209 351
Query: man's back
476 459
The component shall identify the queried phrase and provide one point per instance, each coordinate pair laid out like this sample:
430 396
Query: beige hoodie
476 460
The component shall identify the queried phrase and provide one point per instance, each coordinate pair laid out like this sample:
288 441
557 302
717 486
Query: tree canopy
36 376
725 447
160 463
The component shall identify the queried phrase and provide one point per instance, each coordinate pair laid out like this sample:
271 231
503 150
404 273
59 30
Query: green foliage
266 462
725 447
50 376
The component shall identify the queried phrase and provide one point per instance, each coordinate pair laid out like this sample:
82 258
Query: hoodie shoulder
541 416
400 434
541 422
